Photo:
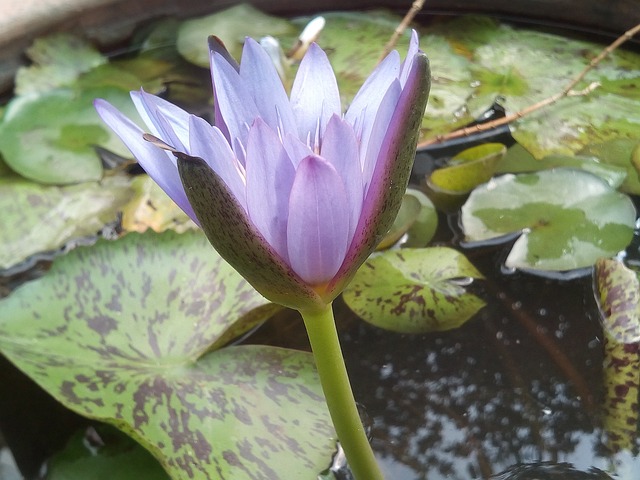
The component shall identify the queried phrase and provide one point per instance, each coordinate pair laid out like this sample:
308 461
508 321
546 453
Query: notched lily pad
415 290
618 292
120 332
49 138
39 218
566 219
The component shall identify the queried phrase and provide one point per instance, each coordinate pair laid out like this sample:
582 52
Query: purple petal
238 241
314 94
340 148
414 48
265 86
233 99
318 228
374 88
160 165
296 149
374 136
270 175
208 143
217 47
165 120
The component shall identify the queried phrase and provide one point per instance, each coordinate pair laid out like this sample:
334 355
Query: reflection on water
520 383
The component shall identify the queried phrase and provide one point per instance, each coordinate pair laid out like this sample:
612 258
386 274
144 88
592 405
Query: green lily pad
231 26
618 153
58 61
39 218
566 219
618 291
49 138
519 160
415 290
104 453
122 332
417 218
468 169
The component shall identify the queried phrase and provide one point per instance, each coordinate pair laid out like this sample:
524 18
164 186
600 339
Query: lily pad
417 218
618 292
519 160
49 138
122 332
231 26
39 218
415 290
58 61
565 219
618 153
468 169
104 453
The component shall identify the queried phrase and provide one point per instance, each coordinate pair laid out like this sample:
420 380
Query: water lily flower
293 193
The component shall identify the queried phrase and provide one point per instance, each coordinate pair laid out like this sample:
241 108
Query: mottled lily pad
415 290
49 137
122 332
40 218
231 26
565 219
618 292
618 153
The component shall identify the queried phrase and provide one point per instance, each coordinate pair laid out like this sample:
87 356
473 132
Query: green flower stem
323 336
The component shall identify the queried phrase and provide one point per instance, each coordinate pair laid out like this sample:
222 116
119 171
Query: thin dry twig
415 8
566 92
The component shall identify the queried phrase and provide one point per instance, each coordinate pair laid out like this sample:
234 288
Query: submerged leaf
566 219
468 169
414 290
39 218
119 331
618 290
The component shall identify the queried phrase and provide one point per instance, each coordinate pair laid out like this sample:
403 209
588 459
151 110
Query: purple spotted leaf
618 293
415 290
127 332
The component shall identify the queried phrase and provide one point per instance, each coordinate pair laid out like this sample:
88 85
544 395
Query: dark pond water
519 383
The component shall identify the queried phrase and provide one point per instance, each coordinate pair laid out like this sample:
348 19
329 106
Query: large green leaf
41 218
414 290
49 137
119 332
618 291
566 218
